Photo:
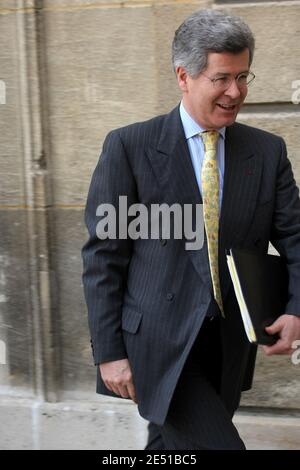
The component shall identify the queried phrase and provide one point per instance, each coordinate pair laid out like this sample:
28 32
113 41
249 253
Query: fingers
288 329
124 391
117 377
117 389
276 327
131 391
281 346
121 390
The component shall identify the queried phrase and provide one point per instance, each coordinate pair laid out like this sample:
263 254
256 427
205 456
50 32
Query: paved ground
115 424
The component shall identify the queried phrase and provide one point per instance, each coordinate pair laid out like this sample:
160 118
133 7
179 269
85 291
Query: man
165 325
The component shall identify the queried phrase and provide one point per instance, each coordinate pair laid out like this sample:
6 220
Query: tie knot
210 139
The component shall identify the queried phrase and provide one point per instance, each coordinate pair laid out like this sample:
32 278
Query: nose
233 91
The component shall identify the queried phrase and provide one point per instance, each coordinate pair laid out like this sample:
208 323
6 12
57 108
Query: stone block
15 303
11 185
286 124
101 70
114 424
277 60
94 425
268 431
16 431
93 4
167 19
276 383
77 368
12 6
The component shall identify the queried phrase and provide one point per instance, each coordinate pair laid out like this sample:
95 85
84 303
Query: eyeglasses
223 82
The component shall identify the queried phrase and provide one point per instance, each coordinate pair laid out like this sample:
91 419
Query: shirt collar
191 127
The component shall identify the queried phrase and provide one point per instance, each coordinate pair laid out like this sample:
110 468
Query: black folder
261 287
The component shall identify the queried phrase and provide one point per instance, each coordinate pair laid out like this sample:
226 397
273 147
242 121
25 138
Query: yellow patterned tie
210 196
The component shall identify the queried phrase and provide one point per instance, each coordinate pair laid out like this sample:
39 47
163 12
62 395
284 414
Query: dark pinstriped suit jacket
147 298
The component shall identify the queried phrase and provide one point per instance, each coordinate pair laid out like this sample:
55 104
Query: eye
242 78
221 80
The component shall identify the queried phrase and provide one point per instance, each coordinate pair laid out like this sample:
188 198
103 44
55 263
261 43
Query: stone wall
73 70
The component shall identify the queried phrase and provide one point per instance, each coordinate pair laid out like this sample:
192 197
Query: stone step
104 423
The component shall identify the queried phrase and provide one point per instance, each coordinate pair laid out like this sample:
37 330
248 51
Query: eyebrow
226 74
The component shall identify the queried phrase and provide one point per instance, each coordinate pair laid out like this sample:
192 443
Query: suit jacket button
163 242
170 296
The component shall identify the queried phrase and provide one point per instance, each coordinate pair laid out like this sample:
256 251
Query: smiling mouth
227 107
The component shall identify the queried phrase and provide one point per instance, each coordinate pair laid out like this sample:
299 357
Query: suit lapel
242 177
243 168
171 163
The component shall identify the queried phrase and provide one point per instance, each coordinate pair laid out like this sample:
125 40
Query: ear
182 78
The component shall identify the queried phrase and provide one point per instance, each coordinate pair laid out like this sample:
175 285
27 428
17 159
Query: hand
288 328
117 377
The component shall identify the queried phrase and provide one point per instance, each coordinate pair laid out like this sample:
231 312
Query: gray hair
209 31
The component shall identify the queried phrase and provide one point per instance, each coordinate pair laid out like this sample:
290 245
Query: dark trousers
197 417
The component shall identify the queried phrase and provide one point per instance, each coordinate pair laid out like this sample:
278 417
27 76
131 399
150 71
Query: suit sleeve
285 234
105 262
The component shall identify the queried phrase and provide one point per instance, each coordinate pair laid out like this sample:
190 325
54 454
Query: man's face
209 106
